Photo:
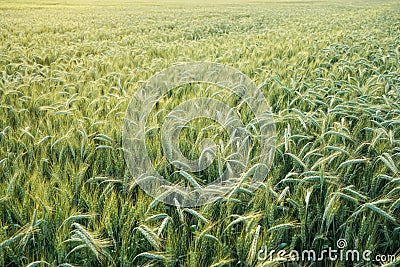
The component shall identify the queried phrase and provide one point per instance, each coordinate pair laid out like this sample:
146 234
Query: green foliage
330 71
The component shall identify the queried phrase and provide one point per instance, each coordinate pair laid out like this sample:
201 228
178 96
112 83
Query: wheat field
329 70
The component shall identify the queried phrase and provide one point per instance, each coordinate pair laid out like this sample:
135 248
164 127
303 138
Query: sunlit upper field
329 70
